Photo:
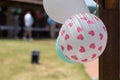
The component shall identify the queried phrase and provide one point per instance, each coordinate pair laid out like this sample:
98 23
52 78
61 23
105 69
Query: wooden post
111 4
109 62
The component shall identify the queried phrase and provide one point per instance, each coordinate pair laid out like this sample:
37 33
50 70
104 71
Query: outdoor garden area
71 39
15 62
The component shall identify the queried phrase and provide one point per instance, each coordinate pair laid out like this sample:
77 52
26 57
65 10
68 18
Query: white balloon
61 10
82 38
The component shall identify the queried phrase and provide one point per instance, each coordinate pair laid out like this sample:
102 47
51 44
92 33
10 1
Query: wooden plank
119 39
109 61
39 2
24 6
111 4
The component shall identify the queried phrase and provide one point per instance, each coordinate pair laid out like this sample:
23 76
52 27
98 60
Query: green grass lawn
15 62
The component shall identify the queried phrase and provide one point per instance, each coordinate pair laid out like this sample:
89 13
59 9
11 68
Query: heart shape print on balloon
83 37
60 54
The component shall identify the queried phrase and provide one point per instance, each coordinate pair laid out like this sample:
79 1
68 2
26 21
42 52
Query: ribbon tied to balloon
82 38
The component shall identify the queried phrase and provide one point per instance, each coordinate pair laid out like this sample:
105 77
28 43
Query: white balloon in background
61 10
82 38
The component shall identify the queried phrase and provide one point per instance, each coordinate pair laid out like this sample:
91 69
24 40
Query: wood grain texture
109 61
111 4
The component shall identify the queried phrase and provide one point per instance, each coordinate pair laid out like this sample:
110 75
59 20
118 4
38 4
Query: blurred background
15 53
8 21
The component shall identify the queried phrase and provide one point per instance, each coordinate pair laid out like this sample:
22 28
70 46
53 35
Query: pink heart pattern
79 29
92 33
83 39
90 22
62 32
101 36
92 46
82 49
70 24
62 48
67 37
94 55
69 47
84 18
84 60
100 48
74 57
80 37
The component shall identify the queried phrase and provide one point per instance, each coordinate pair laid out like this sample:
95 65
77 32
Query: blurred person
39 18
28 20
16 25
3 17
52 25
